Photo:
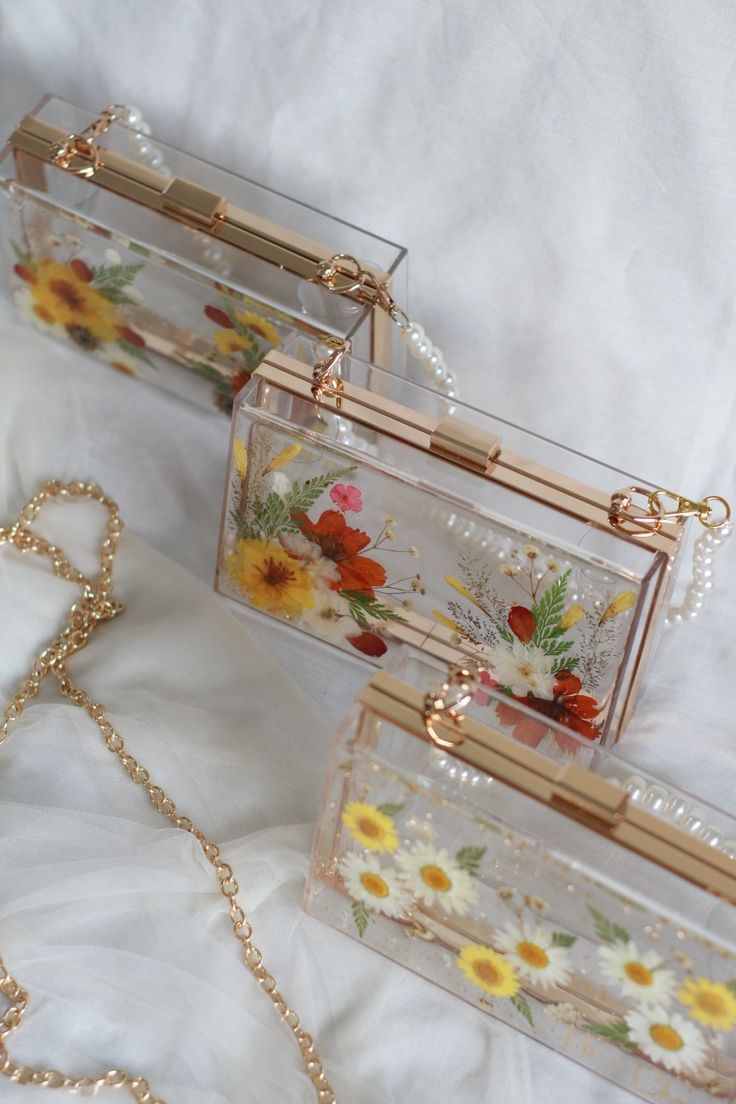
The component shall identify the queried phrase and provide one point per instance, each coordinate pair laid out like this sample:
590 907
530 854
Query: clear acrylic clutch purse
371 512
155 260
554 888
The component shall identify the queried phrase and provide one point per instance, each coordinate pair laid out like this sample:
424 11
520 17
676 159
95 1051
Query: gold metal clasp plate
582 792
465 443
192 204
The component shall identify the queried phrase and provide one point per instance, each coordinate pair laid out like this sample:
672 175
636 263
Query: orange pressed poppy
343 545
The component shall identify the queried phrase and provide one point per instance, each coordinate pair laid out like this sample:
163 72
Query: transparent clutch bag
553 888
371 512
155 260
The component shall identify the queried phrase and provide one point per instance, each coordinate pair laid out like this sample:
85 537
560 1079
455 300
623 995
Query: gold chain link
94 606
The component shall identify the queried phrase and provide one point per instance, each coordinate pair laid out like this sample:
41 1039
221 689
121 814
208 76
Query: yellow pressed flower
574 614
458 586
370 827
240 457
447 622
623 601
710 1002
489 970
281 459
259 326
67 297
229 342
271 579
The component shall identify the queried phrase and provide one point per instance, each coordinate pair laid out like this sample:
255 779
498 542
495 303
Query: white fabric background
563 176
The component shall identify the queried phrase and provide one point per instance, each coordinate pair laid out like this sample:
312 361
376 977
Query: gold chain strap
94 606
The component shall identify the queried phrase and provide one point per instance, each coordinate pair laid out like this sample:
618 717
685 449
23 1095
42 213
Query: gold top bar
572 790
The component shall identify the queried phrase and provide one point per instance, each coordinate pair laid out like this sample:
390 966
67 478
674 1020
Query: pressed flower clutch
556 889
154 260
370 512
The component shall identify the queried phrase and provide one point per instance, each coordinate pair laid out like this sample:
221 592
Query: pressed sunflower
710 1003
258 325
370 827
228 342
64 294
489 970
272 580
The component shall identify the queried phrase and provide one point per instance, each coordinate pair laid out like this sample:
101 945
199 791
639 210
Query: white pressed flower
509 569
552 565
564 1012
436 878
322 569
390 534
25 306
329 615
530 551
113 257
668 1039
388 520
524 668
531 950
373 885
278 482
413 551
637 975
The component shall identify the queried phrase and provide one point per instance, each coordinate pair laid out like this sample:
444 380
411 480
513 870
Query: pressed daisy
229 342
436 878
668 1039
640 976
258 325
378 888
370 827
272 580
709 1002
524 668
530 950
330 615
489 970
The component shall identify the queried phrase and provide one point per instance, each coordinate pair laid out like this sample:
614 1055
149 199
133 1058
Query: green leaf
134 247
304 495
566 663
607 930
521 1004
562 939
731 986
113 278
244 530
365 606
469 858
389 809
361 916
617 1033
24 258
548 612
505 634
135 351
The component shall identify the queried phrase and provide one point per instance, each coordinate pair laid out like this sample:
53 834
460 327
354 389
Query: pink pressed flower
347 498
482 697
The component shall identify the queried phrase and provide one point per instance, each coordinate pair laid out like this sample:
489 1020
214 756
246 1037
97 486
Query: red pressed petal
239 380
81 270
360 573
132 337
219 317
524 729
25 273
567 684
368 643
522 623
577 724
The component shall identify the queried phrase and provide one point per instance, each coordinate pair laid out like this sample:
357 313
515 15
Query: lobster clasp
644 511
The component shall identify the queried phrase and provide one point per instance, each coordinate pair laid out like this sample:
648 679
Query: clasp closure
655 507
345 275
83 145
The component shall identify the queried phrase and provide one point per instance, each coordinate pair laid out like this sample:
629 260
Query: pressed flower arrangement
450 872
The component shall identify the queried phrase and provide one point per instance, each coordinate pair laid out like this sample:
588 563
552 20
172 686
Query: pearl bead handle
701 582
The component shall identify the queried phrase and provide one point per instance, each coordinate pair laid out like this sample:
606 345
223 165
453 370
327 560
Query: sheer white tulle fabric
109 916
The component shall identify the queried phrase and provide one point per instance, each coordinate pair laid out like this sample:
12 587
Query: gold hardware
95 605
462 441
446 704
347 276
573 791
324 381
661 506
84 145
193 205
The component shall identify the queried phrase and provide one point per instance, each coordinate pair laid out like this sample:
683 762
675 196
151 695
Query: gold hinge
465 443
192 204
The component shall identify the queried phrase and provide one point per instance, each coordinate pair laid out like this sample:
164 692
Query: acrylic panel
368 543
529 916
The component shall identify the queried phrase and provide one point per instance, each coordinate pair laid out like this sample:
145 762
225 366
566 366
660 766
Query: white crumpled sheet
563 175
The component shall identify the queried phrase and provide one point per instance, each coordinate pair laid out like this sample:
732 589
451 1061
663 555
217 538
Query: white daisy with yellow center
374 886
533 953
640 976
437 879
668 1039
